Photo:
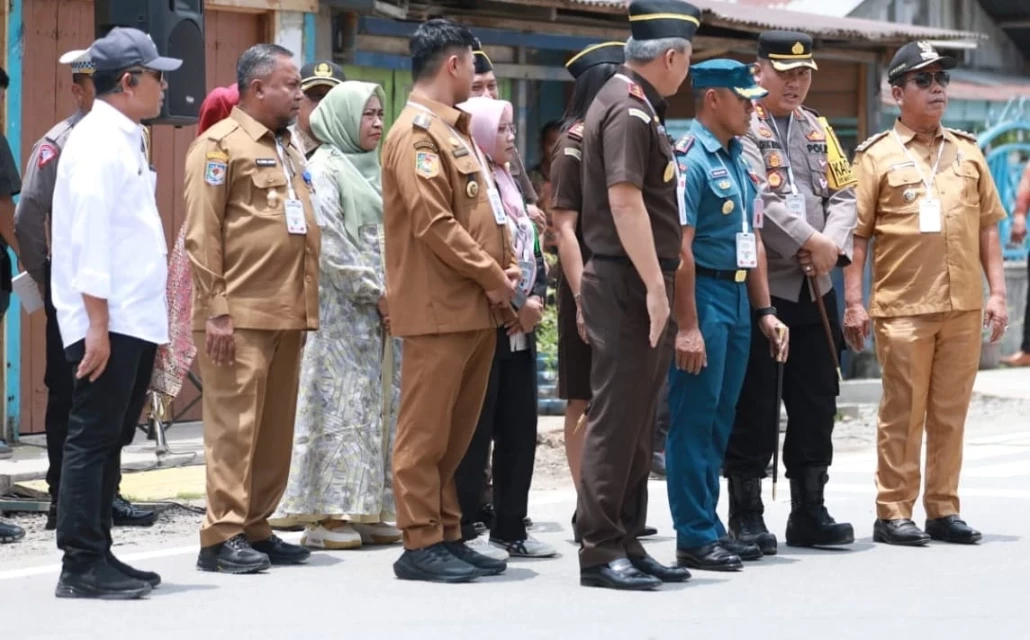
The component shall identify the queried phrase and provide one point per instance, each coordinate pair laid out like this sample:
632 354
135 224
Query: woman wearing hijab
509 414
340 482
173 360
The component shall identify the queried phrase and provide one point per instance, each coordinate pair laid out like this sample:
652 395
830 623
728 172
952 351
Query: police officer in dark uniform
631 225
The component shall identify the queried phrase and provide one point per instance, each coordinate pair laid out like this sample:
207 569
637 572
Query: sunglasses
157 75
925 79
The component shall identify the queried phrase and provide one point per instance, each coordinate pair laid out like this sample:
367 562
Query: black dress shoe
748 551
125 514
102 582
952 529
575 530
619 574
149 577
648 532
10 532
486 566
650 566
900 531
235 556
51 516
710 557
280 552
434 564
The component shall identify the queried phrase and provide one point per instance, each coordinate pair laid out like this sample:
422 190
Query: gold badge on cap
323 70
797 49
909 195
727 207
472 189
670 171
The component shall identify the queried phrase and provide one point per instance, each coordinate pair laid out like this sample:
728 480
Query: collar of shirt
255 129
908 134
132 131
656 99
451 116
711 143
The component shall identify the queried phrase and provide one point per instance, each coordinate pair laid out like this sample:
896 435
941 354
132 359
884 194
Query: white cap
79 59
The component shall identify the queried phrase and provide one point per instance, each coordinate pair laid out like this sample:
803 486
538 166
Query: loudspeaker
177 28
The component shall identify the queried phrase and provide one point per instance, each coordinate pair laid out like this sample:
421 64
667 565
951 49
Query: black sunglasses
157 75
924 79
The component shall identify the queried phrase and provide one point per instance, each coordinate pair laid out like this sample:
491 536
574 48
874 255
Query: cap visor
794 64
317 82
75 55
751 93
946 62
164 64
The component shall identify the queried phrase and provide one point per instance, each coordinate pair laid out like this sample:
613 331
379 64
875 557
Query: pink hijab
487 115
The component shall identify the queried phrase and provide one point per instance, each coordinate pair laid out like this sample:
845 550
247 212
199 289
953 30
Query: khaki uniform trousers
249 411
929 365
443 383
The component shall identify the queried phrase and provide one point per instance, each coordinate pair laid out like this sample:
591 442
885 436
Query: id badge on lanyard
296 223
929 207
747 244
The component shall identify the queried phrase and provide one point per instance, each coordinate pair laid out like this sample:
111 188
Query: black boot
51 515
746 509
810 524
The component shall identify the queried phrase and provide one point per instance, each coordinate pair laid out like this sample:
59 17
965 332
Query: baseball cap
126 47
726 74
914 56
321 72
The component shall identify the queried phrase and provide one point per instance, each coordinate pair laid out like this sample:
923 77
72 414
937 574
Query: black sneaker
235 556
280 552
51 516
101 582
149 577
10 532
126 514
486 566
434 564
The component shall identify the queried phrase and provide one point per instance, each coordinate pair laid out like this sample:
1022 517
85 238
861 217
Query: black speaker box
177 28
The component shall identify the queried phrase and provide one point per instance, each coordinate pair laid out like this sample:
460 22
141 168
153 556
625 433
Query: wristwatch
765 311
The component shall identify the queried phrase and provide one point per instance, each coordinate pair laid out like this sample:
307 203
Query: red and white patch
47 152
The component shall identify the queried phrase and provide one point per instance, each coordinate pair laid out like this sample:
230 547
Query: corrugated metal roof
757 15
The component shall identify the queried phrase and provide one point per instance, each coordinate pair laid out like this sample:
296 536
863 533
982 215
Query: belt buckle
740 275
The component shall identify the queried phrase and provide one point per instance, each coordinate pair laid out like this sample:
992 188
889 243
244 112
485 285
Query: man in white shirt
109 270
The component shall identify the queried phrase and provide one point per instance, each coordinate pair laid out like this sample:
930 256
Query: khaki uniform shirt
829 210
567 178
624 141
444 249
245 262
917 273
32 215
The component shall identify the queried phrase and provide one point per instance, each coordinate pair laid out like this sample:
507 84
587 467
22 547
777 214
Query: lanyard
288 170
922 176
741 186
785 144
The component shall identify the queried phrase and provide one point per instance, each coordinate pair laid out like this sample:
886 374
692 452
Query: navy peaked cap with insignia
786 50
657 19
604 53
483 62
723 73
321 72
914 56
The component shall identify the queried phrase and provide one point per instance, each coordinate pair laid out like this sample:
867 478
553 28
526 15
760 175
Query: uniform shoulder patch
427 144
576 131
427 164
47 152
216 165
871 141
683 144
422 121
640 114
572 152
963 134
637 92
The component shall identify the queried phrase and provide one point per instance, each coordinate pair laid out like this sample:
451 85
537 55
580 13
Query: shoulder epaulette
683 144
963 134
804 108
760 111
871 141
422 121
637 92
576 131
221 129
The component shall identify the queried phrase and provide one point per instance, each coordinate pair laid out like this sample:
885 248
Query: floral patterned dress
350 376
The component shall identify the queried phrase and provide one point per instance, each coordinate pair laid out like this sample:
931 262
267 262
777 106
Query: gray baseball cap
125 47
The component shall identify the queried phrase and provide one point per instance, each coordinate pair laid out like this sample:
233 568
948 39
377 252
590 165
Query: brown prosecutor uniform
567 193
247 264
444 250
624 142
927 296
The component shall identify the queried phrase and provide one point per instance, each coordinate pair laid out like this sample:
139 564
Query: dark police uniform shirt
624 141
10 186
567 178
719 186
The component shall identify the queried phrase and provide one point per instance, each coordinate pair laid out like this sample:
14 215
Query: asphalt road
868 591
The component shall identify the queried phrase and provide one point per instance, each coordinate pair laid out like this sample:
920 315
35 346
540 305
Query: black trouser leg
469 476
662 417
92 451
755 424
515 427
60 383
810 391
1026 318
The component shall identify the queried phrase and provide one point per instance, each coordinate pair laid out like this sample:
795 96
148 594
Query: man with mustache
925 193
809 202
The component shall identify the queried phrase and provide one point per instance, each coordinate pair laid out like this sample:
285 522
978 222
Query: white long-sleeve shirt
107 239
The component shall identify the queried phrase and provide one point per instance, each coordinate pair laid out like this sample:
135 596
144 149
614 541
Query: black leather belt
740 275
666 264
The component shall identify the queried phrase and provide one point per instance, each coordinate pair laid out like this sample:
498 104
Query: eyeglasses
505 128
157 75
925 79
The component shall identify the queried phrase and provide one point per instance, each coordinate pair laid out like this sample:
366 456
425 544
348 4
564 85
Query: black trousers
810 390
662 417
509 418
60 383
103 413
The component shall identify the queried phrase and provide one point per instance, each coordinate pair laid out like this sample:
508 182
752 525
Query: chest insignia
472 189
753 176
909 195
426 144
764 131
427 164
422 121
47 152
774 160
273 197
727 207
265 162
637 113
670 171
719 173
576 131
725 184
214 172
774 179
459 152
816 136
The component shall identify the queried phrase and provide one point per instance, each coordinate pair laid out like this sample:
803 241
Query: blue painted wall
12 333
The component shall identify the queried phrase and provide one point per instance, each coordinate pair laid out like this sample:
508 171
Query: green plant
547 335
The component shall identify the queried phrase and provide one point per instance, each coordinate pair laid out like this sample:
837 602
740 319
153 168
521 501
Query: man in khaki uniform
446 245
253 244
925 194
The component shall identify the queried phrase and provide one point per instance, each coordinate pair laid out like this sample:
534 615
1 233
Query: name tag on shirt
295 222
495 204
929 215
759 210
747 251
796 204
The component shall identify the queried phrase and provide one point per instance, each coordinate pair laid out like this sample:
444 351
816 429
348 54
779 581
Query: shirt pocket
905 189
469 188
968 180
269 192
726 199
817 172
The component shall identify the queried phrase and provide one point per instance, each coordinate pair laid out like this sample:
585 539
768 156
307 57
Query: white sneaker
528 548
378 533
482 546
343 537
